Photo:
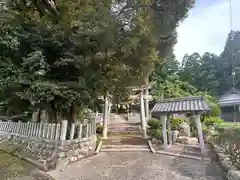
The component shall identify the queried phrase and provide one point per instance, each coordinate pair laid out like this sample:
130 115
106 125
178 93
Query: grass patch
12 166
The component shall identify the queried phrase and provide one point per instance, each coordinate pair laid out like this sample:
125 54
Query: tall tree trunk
39 115
73 113
53 113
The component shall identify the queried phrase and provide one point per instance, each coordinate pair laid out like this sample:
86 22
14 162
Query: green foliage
175 122
213 73
154 123
99 129
210 121
228 137
60 65
156 133
155 129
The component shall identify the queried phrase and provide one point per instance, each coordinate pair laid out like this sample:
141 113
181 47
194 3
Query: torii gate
144 98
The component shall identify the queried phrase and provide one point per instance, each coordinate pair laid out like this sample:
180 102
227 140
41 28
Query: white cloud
206 29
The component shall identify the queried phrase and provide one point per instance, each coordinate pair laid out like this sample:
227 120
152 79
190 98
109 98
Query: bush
215 109
154 123
175 122
210 121
156 133
99 129
228 137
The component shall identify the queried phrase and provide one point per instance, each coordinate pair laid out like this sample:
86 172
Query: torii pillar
105 117
146 97
142 116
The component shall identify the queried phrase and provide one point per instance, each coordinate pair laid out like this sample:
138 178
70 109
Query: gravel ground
139 166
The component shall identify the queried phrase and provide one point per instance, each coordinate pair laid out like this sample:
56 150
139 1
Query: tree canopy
213 73
93 49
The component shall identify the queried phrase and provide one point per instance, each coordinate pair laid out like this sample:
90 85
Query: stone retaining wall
47 154
226 164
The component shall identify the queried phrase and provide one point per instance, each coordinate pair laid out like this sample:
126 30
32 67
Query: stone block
80 156
233 175
226 164
187 140
73 158
175 135
155 141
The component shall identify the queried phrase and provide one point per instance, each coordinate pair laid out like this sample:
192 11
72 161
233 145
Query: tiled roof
230 98
181 105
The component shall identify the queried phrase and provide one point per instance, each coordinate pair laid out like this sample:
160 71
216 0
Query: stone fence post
63 130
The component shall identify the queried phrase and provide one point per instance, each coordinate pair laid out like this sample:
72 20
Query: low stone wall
226 144
47 154
232 172
76 149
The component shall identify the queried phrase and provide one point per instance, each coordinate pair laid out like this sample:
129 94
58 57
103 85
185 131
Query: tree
213 73
90 52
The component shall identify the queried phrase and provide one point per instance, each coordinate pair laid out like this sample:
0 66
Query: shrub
228 137
210 121
175 122
154 123
215 109
156 133
99 129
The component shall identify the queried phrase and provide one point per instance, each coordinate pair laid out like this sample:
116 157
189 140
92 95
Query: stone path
139 166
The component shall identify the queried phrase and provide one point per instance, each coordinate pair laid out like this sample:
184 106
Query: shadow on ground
12 168
206 169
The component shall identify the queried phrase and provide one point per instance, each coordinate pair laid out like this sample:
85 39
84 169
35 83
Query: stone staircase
124 137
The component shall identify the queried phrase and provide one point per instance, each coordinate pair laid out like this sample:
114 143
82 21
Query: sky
206 27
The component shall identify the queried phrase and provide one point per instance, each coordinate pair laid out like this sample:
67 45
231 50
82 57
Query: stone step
125 150
125 146
184 155
184 152
185 147
124 124
135 125
123 128
125 133
128 139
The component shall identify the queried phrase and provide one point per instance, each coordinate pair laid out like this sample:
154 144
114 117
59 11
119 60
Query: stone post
109 112
142 116
188 130
147 104
63 130
169 130
72 131
80 131
200 133
164 130
94 125
105 118
58 126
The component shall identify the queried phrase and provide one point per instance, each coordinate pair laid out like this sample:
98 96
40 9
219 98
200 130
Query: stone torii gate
189 105
144 98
